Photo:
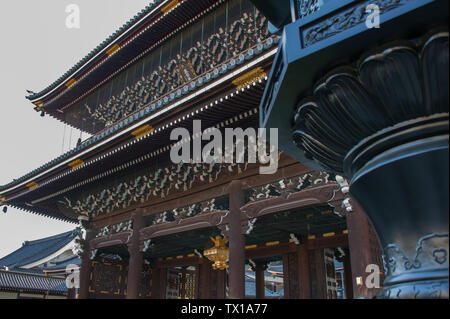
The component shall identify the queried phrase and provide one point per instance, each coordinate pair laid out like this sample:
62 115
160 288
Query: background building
38 268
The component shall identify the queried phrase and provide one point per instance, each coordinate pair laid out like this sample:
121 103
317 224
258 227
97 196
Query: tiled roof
13 281
144 113
33 251
98 49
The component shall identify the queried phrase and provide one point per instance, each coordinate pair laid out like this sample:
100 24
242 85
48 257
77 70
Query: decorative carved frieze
287 186
179 214
307 7
158 183
431 251
343 20
176 77
115 229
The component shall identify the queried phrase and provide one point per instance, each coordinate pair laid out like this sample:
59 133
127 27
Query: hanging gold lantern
218 254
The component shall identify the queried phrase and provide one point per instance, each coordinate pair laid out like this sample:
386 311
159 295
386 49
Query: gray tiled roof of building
32 251
13 281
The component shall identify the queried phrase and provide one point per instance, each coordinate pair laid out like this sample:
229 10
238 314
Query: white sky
36 49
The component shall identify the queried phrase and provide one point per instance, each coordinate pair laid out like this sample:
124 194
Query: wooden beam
318 274
269 251
328 242
184 262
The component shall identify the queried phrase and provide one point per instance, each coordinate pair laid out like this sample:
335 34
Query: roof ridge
109 40
28 274
42 240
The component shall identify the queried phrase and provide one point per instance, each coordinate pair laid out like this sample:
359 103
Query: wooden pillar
163 283
236 243
156 283
204 281
86 265
289 277
364 250
197 293
318 274
260 280
220 284
183 283
296 273
304 273
348 279
136 263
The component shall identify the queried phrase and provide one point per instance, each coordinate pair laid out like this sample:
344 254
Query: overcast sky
36 49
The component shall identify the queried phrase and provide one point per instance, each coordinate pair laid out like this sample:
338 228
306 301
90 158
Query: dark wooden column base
236 243
86 265
136 263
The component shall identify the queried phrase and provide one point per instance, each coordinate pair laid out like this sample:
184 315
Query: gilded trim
170 6
274 243
32 185
329 235
142 131
113 49
71 83
249 78
76 164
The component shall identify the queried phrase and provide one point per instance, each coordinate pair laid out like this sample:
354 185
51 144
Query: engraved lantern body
379 117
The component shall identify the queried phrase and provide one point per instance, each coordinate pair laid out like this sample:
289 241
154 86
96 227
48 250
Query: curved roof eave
126 126
99 49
